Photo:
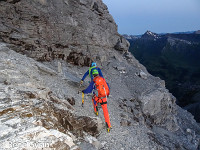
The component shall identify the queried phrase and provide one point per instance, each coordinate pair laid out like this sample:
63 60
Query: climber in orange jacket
100 94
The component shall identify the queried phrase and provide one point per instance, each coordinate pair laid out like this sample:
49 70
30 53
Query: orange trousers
103 102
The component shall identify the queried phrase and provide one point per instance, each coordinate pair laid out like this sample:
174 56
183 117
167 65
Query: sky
135 17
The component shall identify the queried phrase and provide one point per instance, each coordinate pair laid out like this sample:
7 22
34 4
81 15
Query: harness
103 103
100 98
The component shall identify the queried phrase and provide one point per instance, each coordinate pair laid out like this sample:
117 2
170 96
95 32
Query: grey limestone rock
48 30
42 100
31 112
121 45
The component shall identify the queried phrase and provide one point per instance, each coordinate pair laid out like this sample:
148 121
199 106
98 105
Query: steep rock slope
40 108
31 115
36 96
64 29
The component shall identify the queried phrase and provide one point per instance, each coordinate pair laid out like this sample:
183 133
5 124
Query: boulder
157 106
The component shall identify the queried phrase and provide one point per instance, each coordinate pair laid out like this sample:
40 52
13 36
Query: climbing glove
81 82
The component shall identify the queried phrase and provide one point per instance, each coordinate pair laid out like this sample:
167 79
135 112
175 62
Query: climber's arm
85 75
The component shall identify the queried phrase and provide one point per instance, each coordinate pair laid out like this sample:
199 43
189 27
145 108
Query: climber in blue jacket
93 68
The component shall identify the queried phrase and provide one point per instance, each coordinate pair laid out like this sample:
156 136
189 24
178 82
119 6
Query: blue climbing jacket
89 88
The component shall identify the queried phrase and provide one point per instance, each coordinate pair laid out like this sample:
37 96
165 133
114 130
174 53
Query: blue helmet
93 64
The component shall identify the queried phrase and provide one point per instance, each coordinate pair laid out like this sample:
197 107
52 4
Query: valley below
174 58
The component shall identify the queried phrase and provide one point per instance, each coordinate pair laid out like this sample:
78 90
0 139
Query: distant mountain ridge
174 57
158 34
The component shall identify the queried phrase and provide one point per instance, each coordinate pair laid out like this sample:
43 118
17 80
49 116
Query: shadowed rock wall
77 31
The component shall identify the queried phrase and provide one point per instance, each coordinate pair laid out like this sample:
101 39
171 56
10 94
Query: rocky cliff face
39 103
75 31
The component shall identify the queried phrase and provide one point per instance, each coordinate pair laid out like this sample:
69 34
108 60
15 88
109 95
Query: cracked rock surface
41 107
75 31
45 46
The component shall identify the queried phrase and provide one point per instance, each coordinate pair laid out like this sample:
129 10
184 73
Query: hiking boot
108 129
96 113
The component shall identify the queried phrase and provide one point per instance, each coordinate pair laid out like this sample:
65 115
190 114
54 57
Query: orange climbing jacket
101 86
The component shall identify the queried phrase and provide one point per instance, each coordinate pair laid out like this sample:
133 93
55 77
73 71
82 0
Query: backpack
101 86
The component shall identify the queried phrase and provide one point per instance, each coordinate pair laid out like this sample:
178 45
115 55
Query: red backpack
101 86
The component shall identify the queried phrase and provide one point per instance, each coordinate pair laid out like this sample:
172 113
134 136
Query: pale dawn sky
134 17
